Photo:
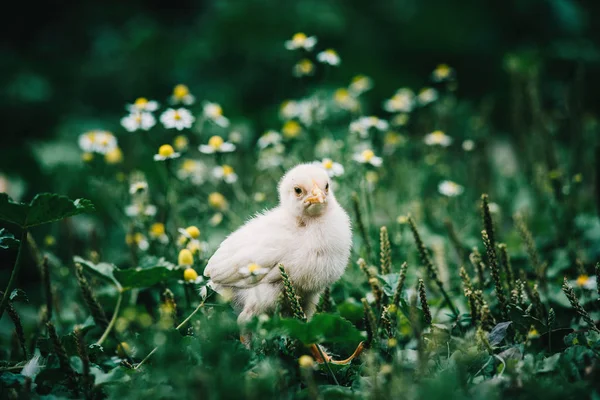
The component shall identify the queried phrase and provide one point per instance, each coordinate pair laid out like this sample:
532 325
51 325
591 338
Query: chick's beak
317 195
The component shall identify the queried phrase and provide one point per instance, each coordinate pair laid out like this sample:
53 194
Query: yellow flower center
176 116
368 154
291 129
166 150
299 38
180 91
194 246
185 257
227 170
341 95
328 164
138 118
442 71
189 165
141 102
305 66
87 157
114 156
189 274
216 142
331 53
253 268
306 361
216 200
138 238
193 231
180 142
582 280
157 229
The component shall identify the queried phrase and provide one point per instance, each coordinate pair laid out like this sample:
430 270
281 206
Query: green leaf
321 328
9 380
140 277
498 333
102 270
11 211
8 240
50 207
115 375
19 295
44 208
390 281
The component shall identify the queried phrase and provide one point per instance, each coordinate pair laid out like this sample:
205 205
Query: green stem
327 364
113 319
15 272
190 316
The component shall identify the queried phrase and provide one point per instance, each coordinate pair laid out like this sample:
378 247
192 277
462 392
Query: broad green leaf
103 270
44 208
390 281
321 328
146 277
8 240
49 207
9 380
498 333
11 211
115 375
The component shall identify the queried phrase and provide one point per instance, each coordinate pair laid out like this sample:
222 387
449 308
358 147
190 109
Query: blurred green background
69 66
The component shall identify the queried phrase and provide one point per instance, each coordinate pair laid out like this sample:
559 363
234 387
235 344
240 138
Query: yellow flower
190 274
165 152
291 129
193 231
157 229
216 142
217 200
306 361
533 333
360 84
301 41
303 67
582 280
368 154
185 257
181 94
181 142
442 72
114 156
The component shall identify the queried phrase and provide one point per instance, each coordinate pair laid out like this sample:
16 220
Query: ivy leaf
321 328
8 240
498 333
44 208
146 277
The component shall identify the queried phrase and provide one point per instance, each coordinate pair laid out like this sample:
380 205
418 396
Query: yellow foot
317 355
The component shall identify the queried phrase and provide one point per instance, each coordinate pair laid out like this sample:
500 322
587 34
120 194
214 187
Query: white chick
308 233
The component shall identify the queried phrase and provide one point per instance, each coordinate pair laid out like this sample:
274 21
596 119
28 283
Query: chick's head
305 190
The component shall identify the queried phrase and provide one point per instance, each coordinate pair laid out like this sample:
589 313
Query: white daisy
304 67
134 210
333 168
214 112
216 144
253 269
402 101
181 95
179 119
363 124
586 282
301 41
468 145
142 104
138 187
166 152
269 138
367 156
442 73
450 189
330 57
138 120
360 84
97 142
427 95
193 170
437 138
226 173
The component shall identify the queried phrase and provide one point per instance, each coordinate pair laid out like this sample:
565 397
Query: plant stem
111 324
146 358
327 364
15 272
190 316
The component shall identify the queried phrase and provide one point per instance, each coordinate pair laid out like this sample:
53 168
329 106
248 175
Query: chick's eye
298 190
327 186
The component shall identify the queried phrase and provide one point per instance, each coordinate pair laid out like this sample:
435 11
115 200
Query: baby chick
308 233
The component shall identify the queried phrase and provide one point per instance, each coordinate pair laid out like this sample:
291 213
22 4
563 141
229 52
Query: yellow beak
317 195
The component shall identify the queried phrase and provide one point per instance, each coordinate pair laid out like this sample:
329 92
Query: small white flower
330 57
134 210
301 41
402 101
494 208
427 95
137 187
450 189
97 142
269 138
333 168
138 120
166 152
216 219
586 282
179 119
142 104
193 170
360 84
363 124
226 173
442 73
468 145
214 112
303 67
181 95
438 138
367 156
216 144
253 269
